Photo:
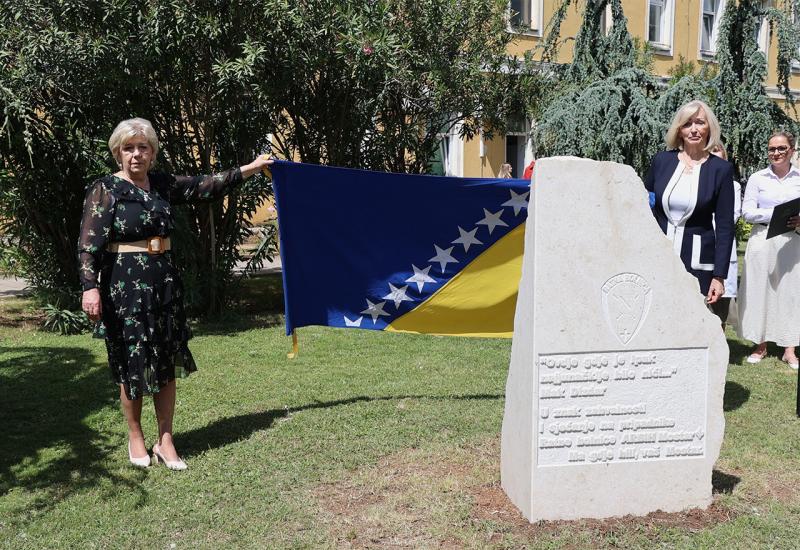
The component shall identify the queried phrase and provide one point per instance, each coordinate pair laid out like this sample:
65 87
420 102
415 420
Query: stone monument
614 394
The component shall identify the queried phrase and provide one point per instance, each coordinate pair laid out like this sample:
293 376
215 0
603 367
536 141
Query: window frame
796 61
535 27
667 28
711 53
606 20
524 132
451 145
764 36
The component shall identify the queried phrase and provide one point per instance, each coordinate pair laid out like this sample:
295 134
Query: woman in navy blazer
694 197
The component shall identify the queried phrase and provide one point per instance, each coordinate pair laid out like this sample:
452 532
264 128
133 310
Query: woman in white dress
769 297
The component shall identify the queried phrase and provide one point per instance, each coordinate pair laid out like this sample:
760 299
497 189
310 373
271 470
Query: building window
606 20
654 19
518 145
762 32
796 61
440 160
709 25
525 16
660 14
448 158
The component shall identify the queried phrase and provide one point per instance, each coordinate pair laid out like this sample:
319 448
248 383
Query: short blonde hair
128 129
683 115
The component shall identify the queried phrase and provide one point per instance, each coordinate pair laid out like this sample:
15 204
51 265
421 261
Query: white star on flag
467 238
420 277
518 202
443 256
492 220
349 323
374 310
397 295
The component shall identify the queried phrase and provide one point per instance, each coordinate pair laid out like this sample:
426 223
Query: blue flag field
399 252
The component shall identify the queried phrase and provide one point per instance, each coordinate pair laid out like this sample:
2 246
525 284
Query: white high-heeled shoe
138 461
171 464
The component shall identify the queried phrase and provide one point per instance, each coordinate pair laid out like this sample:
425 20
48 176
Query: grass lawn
365 440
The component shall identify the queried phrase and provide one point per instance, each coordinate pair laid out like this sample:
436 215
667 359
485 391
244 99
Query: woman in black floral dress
131 284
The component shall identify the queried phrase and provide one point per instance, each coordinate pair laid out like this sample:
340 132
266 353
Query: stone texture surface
615 390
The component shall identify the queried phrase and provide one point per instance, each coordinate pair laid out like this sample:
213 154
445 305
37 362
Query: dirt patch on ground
453 499
24 318
395 504
780 487
492 504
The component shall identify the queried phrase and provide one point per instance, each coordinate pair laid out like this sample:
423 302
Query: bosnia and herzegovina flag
399 252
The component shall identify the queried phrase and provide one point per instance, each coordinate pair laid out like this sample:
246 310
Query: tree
70 71
353 83
746 114
608 106
204 125
372 84
604 104
51 136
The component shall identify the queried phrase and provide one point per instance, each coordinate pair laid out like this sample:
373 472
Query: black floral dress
143 319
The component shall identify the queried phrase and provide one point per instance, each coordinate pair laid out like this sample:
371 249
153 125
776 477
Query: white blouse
684 194
678 202
765 190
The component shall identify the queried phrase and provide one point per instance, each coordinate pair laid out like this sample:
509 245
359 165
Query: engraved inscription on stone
626 300
622 406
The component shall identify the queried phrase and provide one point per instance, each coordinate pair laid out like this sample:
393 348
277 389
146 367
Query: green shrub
743 230
64 321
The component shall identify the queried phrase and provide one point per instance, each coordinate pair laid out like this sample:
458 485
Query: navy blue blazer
705 251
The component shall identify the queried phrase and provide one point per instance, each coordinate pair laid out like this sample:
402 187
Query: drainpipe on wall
482 151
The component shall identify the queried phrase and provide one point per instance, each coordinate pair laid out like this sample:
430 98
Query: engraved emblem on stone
626 301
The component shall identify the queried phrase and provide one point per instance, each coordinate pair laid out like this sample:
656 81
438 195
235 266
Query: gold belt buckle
155 245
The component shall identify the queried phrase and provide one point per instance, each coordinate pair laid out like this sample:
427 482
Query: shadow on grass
47 393
736 395
723 483
739 349
255 302
259 293
235 428
233 324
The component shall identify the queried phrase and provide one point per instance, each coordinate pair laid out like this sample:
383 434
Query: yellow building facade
675 30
